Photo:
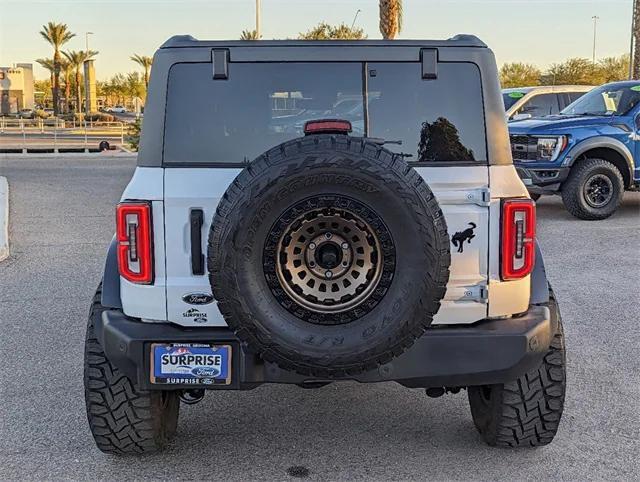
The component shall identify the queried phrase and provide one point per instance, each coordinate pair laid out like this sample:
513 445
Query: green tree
133 136
324 31
48 64
610 69
43 86
571 71
519 74
134 86
249 35
77 58
390 18
144 62
57 34
66 69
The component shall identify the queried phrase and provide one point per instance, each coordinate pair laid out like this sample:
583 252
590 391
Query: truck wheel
329 255
594 189
123 419
525 412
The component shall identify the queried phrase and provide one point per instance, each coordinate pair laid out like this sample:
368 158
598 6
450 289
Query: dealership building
16 88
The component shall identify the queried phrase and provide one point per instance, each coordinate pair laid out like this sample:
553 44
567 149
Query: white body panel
187 189
474 292
148 301
510 297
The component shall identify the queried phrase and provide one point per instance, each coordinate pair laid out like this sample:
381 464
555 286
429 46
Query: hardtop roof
187 41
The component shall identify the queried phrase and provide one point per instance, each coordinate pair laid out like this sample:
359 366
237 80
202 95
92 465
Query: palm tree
390 18
66 69
249 35
144 62
57 34
76 59
48 64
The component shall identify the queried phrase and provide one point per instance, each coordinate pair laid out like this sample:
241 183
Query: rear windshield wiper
381 142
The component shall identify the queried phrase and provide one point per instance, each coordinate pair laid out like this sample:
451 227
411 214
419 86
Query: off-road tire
298 173
123 420
573 195
525 412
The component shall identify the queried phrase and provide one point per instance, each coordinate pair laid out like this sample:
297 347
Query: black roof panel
185 41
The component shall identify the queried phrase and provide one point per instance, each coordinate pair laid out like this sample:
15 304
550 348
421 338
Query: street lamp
595 19
258 20
86 41
354 18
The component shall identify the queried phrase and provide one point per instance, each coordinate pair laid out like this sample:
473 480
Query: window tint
260 106
540 105
436 120
573 96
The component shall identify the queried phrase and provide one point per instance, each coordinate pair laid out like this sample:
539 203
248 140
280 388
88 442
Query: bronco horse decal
460 237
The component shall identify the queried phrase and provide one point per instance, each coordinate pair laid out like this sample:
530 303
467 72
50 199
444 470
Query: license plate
190 364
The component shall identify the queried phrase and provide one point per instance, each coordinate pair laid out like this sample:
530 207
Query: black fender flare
111 278
602 142
539 282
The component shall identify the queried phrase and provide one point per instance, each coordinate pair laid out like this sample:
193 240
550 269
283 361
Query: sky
535 31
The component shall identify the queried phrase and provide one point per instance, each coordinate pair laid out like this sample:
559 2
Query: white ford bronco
312 212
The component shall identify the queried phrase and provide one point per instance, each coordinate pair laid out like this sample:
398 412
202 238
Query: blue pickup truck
586 153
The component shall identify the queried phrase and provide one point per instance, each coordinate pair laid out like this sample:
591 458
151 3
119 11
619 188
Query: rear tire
525 412
593 190
122 418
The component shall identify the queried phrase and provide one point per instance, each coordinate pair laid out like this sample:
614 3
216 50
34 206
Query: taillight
133 230
518 235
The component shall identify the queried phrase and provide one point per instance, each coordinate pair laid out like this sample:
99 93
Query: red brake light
327 126
518 235
133 230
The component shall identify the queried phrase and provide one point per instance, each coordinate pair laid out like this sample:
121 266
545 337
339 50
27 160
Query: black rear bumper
492 351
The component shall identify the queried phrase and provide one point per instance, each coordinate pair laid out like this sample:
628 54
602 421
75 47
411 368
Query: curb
4 218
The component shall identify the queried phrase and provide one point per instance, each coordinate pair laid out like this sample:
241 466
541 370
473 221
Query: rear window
510 98
262 105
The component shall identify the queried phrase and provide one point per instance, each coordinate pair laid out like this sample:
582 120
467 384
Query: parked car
49 112
588 153
26 113
527 102
245 255
117 109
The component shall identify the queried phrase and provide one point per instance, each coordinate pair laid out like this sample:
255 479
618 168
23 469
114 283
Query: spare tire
328 255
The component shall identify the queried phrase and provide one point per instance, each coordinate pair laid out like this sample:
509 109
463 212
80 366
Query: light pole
595 23
258 19
86 41
634 57
354 18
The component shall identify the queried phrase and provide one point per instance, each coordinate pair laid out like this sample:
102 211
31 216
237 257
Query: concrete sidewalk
4 218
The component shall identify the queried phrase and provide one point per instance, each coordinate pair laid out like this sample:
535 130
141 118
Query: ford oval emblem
197 298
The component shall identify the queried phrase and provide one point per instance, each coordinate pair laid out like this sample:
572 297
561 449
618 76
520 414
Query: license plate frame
223 378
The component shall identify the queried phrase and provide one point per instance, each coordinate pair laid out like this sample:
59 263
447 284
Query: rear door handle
196 217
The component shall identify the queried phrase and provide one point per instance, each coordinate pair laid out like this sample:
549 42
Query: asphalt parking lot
61 221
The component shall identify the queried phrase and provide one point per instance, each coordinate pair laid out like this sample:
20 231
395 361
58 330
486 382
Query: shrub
133 136
40 114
